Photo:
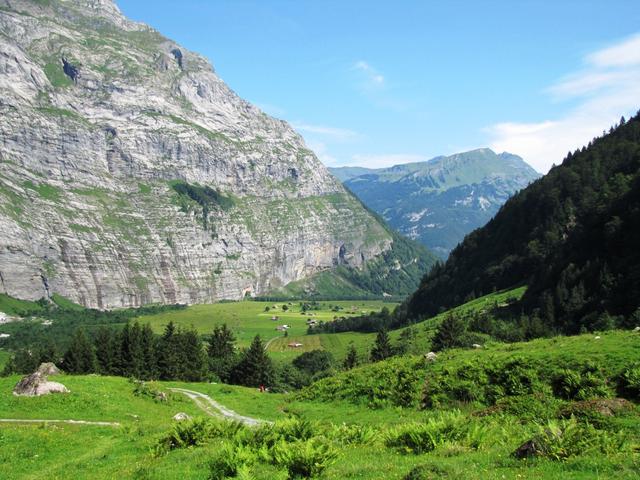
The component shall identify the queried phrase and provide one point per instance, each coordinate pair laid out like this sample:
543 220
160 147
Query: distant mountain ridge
439 201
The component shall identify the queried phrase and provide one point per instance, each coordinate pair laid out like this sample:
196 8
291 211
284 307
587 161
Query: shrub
533 407
306 459
354 434
629 383
580 384
424 437
564 439
185 434
197 432
517 376
232 461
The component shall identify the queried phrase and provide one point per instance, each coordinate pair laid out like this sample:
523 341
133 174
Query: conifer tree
193 363
382 348
106 351
221 352
148 350
254 368
449 333
80 357
167 356
351 360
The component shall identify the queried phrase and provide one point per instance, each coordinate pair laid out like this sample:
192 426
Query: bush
314 361
354 434
185 434
231 462
564 439
424 437
629 383
197 432
306 459
580 384
534 407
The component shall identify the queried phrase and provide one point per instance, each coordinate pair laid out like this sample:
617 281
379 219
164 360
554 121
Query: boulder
36 384
48 368
181 416
430 357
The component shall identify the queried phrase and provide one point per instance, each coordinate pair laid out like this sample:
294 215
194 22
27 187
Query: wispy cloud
607 87
322 152
333 132
370 78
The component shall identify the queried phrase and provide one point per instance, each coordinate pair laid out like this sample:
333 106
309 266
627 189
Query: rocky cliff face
109 133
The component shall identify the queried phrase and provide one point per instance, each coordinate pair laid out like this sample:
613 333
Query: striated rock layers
109 134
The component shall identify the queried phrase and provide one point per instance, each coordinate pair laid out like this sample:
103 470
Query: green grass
65 303
249 318
45 190
56 75
13 306
69 451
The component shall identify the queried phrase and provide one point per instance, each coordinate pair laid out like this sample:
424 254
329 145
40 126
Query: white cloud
607 87
388 160
333 132
371 78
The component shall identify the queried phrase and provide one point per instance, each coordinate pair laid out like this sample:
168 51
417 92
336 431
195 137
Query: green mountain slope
572 236
438 202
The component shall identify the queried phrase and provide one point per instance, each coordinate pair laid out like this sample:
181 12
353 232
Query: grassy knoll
249 318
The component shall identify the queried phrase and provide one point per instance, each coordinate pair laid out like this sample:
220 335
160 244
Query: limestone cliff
130 173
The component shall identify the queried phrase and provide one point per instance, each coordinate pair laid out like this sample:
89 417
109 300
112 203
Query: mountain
439 201
131 174
571 236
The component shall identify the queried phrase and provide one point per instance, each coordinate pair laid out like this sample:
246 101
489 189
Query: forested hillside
572 236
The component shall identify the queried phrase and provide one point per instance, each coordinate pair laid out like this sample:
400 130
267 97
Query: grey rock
36 385
99 115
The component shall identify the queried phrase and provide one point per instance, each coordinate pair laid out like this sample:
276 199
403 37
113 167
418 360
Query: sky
377 83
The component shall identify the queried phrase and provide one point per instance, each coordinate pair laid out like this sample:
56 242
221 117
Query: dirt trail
215 409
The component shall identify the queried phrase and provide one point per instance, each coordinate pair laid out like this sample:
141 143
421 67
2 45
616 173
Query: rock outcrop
101 119
37 384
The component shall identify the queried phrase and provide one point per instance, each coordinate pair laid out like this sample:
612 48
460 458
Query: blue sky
376 83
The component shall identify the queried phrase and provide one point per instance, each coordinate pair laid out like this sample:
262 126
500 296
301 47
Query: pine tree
449 333
382 348
221 352
132 358
80 357
106 351
148 351
193 363
254 368
167 353
351 360
48 352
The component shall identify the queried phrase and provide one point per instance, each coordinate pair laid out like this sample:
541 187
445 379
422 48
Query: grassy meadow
249 318
466 440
